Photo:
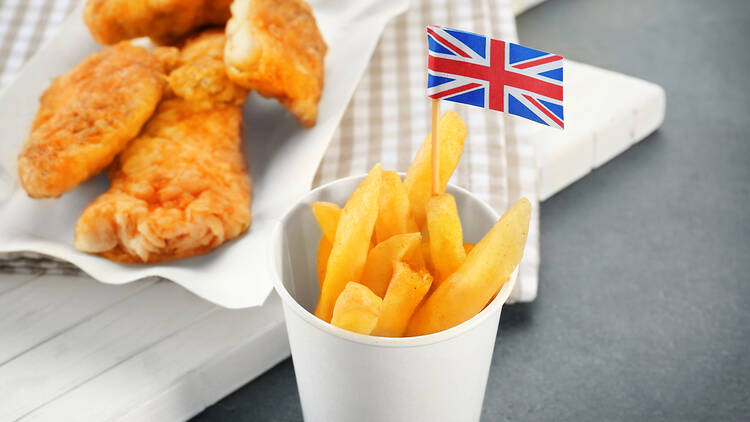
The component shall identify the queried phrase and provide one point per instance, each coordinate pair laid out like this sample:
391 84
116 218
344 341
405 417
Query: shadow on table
515 318
271 396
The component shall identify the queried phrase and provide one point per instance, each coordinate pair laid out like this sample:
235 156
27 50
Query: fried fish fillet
164 21
275 48
201 74
87 116
181 188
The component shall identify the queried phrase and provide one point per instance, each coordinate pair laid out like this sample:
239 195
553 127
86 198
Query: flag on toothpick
473 69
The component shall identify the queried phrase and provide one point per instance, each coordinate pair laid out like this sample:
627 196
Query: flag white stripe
475 58
518 95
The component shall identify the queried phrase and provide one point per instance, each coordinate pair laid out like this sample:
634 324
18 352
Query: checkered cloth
385 122
389 116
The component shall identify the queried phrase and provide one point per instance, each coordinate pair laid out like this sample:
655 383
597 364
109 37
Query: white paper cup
346 377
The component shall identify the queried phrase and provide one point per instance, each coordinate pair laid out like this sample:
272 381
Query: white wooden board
74 348
606 113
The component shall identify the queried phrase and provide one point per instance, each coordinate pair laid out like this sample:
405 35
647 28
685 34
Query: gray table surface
644 300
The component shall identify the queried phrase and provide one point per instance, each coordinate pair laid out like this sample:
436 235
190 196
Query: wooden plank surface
591 139
225 349
93 345
43 307
11 281
149 350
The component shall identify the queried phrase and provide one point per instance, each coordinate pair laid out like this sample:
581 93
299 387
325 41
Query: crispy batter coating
164 21
87 116
201 74
275 48
181 188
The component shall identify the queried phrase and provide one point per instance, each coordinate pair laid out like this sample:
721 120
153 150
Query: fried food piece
394 214
201 74
446 236
427 257
275 48
353 234
405 293
164 21
87 116
324 252
379 264
418 181
327 214
180 189
357 309
487 267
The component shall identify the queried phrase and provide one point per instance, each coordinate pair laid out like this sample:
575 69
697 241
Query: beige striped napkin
387 118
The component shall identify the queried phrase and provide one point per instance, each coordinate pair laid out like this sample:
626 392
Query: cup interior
295 246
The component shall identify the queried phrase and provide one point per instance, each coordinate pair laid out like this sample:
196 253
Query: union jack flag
473 69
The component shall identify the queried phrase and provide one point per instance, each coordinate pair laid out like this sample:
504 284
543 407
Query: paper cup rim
397 342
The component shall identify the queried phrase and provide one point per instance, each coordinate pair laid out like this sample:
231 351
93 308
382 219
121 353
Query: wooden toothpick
435 152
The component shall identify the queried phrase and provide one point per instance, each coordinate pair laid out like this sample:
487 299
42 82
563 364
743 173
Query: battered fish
202 74
275 48
87 116
164 21
181 188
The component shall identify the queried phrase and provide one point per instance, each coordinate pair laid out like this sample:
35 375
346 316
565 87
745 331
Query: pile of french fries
392 262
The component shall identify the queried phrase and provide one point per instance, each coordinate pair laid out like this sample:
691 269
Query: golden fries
405 292
379 265
482 274
393 215
415 259
393 262
353 233
357 309
451 135
327 215
324 252
446 238
427 258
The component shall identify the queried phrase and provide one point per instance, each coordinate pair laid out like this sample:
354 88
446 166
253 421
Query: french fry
418 181
324 252
446 238
357 309
482 274
427 257
379 265
349 250
327 215
411 224
393 215
405 292
415 259
468 247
